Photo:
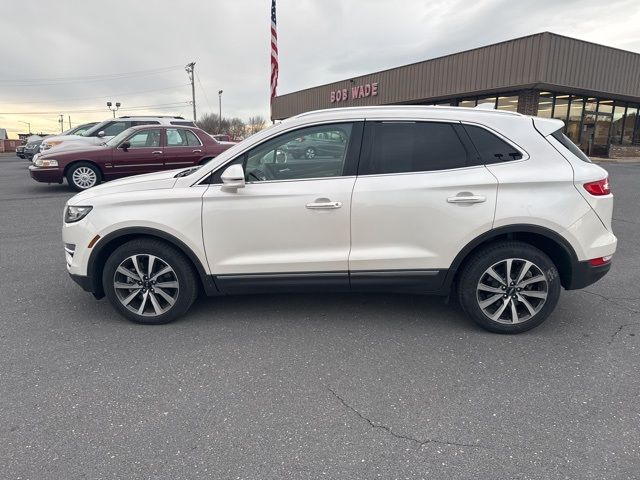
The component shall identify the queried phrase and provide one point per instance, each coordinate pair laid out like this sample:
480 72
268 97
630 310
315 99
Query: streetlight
26 123
114 110
220 114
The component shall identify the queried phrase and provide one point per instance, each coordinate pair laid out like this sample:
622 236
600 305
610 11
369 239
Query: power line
37 82
139 107
106 96
203 91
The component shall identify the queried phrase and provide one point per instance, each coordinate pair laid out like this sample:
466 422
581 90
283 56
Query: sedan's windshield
115 141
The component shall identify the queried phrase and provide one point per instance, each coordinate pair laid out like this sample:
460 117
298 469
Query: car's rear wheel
149 281
509 287
310 152
83 175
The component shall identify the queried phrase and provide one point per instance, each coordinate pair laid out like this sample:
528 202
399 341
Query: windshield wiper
184 173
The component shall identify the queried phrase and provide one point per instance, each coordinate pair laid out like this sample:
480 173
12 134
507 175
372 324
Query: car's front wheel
310 152
509 287
149 281
83 175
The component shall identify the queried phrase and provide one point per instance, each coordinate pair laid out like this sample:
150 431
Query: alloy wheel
512 291
84 177
310 152
146 285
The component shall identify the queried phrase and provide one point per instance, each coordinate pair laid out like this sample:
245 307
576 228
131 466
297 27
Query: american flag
274 50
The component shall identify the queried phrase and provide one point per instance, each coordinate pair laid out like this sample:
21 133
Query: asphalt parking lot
308 386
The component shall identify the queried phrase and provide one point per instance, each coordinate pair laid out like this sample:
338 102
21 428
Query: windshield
95 128
115 141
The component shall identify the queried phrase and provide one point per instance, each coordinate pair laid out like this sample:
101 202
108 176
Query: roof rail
408 108
152 116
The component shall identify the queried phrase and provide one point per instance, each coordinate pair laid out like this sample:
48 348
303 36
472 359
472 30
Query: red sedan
141 149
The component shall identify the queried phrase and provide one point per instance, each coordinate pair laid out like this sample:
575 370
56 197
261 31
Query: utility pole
189 69
70 122
220 115
61 122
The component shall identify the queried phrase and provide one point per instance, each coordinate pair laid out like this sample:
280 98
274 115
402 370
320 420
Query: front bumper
584 274
46 175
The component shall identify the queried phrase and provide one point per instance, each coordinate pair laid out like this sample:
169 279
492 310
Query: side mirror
125 146
101 133
233 177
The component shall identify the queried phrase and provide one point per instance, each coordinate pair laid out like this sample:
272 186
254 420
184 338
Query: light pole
26 123
114 110
220 111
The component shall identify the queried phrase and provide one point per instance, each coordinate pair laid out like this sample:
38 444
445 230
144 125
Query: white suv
499 208
106 130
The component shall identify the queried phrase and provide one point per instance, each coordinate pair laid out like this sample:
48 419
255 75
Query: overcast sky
48 49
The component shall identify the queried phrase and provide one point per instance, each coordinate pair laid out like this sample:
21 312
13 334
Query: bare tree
209 122
256 124
237 128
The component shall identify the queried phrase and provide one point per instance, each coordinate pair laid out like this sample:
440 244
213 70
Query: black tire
185 293
496 256
83 166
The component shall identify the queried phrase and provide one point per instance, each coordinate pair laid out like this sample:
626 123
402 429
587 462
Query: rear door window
491 148
399 147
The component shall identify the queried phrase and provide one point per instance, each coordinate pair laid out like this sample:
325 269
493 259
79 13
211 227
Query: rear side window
569 145
491 148
399 147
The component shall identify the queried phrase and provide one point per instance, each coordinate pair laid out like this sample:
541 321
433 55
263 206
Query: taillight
598 188
596 262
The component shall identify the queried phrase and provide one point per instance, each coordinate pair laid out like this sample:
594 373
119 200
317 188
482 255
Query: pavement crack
619 329
415 441
613 300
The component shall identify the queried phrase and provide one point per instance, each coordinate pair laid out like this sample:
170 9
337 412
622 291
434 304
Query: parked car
106 130
495 208
31 148
20 151
141 149
317 144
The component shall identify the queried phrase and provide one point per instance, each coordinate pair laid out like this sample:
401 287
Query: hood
67 138
147 181
72 149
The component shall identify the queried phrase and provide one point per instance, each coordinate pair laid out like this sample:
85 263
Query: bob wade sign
359 91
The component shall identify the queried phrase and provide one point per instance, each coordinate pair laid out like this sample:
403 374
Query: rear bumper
46 175
584 274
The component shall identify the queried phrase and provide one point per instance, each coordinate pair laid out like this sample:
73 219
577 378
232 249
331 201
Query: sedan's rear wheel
509 287
310 152
149 281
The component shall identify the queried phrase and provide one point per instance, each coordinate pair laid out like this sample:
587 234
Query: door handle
324 205
197 151
466 197
156 152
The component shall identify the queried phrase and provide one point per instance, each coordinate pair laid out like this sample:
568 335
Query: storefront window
575 118
545 104
490 100
561 108
630 124
508 103
618 122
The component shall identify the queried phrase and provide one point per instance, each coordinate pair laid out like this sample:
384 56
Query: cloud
320 41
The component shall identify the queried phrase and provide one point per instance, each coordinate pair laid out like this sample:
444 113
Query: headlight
46 162
73 213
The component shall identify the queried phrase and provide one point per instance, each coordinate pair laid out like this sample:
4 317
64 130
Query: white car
103 131
499 208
